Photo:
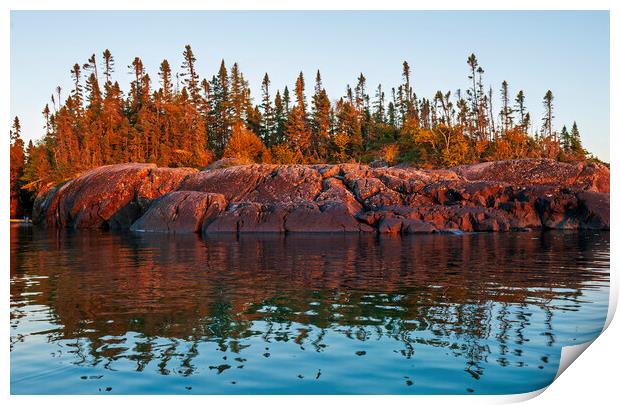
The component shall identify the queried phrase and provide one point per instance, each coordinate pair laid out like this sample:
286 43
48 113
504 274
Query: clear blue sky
567 52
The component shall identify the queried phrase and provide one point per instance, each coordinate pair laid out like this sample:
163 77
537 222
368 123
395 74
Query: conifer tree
300 86
320 118
189 74
287 101
575 142
268 127
565 140
548 115
108 63
76 73
379 106
506 113
520 104
17 162
165 80
279 118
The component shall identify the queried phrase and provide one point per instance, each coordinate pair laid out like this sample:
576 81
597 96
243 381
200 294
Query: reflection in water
141 313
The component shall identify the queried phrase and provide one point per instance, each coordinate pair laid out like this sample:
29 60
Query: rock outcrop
485 197
108 196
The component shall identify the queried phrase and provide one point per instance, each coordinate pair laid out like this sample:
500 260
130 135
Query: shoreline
500 196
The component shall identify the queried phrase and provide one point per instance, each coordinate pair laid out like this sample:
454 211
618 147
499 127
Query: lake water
99 312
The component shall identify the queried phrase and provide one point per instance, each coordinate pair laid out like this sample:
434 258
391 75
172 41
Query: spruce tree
190 76
268 127
548 115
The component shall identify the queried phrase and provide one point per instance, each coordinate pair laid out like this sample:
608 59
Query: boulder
233 182
593 210
558 211
415 226
180 212
328 217
108 196
248 217
287 184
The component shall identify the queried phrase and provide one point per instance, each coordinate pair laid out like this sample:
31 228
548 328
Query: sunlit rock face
180 212
485 197
108 196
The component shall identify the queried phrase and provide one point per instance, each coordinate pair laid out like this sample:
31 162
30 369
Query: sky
565 51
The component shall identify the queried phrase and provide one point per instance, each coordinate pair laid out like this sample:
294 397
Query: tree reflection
157 299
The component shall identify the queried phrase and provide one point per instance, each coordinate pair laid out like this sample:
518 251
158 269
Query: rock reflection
156 300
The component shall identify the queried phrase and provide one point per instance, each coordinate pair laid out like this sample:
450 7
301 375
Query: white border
594 376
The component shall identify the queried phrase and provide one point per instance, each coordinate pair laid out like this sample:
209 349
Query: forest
186 120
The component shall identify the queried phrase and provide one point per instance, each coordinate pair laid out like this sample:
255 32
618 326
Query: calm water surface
97 312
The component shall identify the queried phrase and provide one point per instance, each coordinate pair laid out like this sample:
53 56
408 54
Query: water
98 312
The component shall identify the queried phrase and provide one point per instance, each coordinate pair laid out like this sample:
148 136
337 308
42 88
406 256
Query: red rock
594 177
527 172
413 226
558 211
180 212
334 190
385 197
42 203
522 215
248 217
110 196
494 196
329 217
593 210
287 184
233 182
390 225
365 187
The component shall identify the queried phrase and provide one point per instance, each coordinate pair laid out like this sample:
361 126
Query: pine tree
287 101
76 72
299 94
108 63
17 162
379 106
407 99
565 140
548 115
268 128
190 76
506 113
575 142
280 118
220 110
296 133
472 94
91 66
165 80
320 118
520 104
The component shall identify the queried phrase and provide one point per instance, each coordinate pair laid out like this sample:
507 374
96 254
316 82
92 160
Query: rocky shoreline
513 195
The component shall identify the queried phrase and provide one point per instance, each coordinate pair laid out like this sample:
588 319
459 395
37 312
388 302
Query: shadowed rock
593 210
